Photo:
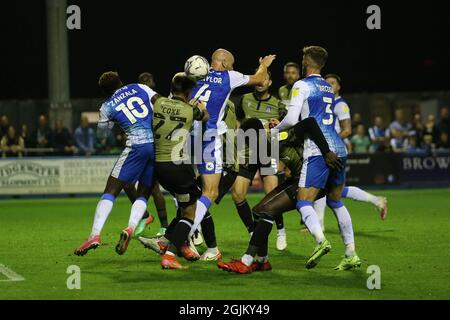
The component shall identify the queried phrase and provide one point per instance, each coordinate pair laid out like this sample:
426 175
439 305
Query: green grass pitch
411 248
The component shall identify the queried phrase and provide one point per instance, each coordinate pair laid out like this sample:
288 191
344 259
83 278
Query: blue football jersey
130 107
214 92
319 103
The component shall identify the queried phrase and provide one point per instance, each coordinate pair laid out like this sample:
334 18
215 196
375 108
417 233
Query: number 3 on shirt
130 111
203 94
328 111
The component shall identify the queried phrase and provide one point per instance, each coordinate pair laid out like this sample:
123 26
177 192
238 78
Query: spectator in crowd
400 130
147 79
356 121
291 73
85 137
427 145
444 142
4 126
43 133
107 144
417 127
25 136
360 140
12 145
444 121
431 128
62 140
412 145
379 135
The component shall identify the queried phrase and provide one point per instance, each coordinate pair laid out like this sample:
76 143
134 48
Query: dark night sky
410 53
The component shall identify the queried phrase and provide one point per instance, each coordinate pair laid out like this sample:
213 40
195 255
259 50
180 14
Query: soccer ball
196 67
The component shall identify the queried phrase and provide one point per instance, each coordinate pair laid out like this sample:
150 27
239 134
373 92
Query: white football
196 67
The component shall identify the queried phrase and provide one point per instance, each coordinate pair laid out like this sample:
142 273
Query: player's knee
334 204
237 196
212 194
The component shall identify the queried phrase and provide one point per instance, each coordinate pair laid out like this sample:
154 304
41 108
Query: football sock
279 222
344 221
262 259
311 220
208 231
319 208
247 260
172 225
358 194
137 211
102 212
260 236
245 213
180 234
255 220
203 205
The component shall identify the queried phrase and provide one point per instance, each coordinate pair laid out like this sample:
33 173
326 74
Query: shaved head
222 60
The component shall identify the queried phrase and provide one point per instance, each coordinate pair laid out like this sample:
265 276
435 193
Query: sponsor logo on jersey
209 166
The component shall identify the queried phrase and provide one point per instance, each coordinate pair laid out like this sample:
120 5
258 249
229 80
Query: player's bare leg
160 204
104 207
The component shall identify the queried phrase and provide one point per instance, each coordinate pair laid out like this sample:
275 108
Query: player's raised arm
300 92
261 74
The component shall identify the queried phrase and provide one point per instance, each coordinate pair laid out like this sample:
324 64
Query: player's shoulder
248 96
273 99
302 85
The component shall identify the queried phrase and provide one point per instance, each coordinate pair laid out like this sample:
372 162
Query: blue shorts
211 162
315 173
136 163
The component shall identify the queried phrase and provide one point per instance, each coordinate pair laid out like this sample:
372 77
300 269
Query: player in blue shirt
214 92
312 97
131 107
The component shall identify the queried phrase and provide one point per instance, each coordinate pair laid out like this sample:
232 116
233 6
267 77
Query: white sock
319 208
345 225
137 212
247 260
262 259
102 212
281 232
358 194
200 212
312 222
350 250
214 250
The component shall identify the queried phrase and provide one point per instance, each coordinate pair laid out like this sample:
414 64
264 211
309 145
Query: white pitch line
10 274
